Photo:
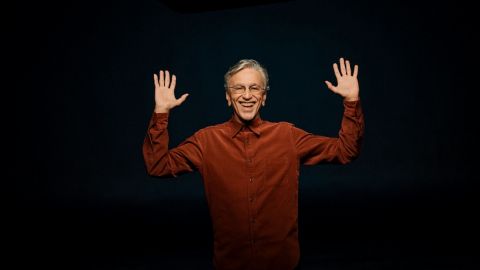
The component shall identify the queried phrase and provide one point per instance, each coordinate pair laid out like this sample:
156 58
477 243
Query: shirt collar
253 125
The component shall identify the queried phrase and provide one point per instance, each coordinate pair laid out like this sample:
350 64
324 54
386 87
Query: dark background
82 73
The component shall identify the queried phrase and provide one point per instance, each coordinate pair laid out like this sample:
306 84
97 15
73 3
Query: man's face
246 93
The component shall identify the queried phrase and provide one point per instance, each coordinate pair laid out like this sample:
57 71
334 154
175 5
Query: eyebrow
254 84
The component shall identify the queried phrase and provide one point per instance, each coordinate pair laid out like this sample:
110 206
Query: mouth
247 104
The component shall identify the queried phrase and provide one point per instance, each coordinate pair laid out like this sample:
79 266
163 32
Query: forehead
247 76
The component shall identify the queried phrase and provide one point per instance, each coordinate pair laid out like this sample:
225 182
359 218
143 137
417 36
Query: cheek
262 100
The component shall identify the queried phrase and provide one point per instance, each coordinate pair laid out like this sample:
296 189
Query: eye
255 88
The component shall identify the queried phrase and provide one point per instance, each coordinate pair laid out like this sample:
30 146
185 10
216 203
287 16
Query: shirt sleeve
314 149
163 162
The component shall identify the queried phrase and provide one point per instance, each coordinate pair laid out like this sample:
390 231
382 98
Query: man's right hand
164 96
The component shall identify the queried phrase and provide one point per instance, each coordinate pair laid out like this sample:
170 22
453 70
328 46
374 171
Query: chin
247 116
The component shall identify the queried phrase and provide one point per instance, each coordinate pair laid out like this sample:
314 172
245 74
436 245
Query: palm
347 83
164 91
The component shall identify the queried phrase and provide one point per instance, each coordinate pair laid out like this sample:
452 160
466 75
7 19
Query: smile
248 104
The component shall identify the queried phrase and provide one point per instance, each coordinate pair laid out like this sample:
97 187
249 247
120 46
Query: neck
245 122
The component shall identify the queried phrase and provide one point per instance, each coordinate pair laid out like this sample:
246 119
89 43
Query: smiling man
250 167
246 103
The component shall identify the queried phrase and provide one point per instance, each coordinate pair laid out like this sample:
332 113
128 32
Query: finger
167 79
182 99
342 67
349 71
355 71
155 80
331 87
337 73
174 82
162 81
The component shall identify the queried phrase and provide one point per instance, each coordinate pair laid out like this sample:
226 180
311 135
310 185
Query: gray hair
246 63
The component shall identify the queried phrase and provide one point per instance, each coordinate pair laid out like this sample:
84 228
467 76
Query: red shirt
250 175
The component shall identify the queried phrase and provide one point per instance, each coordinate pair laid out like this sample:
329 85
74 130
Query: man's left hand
347 83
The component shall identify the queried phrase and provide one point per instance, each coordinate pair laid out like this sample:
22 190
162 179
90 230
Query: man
250 166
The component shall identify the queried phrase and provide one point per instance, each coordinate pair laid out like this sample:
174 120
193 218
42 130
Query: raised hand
164 93
347 83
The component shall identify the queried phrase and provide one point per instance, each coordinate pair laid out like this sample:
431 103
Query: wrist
161 109
351 98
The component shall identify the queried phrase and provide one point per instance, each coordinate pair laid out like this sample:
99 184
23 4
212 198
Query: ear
264 98
229 101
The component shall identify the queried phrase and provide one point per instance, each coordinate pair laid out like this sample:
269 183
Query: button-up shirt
250 174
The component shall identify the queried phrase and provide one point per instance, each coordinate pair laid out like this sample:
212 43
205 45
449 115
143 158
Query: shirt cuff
159 119
352 108
160 116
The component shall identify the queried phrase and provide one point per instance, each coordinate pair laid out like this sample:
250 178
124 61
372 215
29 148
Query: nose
247 94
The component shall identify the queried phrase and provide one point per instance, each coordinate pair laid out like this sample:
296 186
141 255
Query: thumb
182 98
331 87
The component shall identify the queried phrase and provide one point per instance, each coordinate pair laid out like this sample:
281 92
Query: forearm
164 162
351 132
155 146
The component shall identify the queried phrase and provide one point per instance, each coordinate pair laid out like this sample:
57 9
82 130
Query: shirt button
249 160
251 179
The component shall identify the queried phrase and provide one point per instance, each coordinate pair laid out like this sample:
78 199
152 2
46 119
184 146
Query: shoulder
212 129
280 127
281 124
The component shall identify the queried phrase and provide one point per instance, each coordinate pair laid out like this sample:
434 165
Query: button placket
247 152
251 188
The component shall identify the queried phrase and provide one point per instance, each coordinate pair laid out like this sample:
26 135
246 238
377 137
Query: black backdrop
83 73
